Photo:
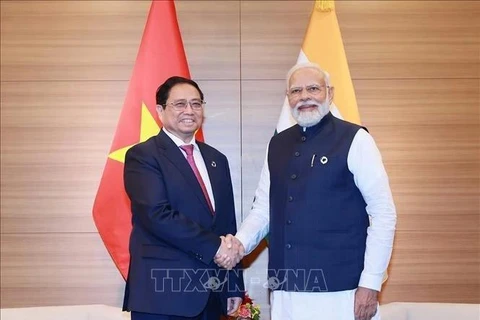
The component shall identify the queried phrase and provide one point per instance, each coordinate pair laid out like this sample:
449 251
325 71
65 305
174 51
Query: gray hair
309 65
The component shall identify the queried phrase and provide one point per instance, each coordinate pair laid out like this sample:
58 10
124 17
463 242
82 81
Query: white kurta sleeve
365 163
256 225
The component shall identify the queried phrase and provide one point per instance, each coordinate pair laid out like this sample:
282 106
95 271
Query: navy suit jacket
174 235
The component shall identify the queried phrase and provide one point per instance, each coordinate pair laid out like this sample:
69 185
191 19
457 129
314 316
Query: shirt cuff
371 281
243 239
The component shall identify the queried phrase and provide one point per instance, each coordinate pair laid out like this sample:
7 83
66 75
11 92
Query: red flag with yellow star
160 56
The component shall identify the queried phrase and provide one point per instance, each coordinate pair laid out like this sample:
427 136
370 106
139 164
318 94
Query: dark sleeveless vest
318 220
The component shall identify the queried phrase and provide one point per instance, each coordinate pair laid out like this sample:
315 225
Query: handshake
230 253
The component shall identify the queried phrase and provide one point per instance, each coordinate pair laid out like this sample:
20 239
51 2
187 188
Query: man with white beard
324 198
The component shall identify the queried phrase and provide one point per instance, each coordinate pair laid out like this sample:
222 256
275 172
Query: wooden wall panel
410 39
428 135
70 40
261 104
57 269
222 127
78 40
211 34
383 39
443 257
51 131
432 266
272 35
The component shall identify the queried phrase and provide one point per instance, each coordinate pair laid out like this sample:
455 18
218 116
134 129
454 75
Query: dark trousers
212 311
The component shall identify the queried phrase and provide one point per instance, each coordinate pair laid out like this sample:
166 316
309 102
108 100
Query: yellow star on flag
148 128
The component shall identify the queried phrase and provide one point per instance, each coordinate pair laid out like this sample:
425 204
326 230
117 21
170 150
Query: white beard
309 118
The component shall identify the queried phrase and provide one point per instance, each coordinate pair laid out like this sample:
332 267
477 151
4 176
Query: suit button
297 154
290 199
288 246
289 221
293 176
304 138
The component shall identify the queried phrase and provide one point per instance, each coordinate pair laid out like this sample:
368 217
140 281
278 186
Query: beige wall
64 73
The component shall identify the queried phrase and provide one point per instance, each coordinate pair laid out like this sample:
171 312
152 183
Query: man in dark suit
182 204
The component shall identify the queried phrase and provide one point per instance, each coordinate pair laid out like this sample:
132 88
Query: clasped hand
230 253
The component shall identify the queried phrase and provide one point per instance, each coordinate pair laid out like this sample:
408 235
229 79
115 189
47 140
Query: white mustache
307 103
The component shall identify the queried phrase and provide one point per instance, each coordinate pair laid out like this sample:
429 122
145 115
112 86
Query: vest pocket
326 172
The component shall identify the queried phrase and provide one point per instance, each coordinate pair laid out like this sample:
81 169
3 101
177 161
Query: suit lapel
214 172
176 157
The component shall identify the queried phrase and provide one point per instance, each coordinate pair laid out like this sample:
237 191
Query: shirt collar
313 130
179 142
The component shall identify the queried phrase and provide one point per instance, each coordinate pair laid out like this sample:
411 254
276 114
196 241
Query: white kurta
314 305
365 163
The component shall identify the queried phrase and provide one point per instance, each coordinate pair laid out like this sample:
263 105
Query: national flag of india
323 45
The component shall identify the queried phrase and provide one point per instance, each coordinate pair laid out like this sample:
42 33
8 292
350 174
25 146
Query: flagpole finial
324 5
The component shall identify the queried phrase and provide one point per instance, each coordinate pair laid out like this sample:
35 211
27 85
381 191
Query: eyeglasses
313 90
180 105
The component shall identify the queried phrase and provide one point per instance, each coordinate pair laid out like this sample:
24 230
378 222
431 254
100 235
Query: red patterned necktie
188 148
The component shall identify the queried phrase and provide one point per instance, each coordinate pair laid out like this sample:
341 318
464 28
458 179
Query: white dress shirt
200 163
365 163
